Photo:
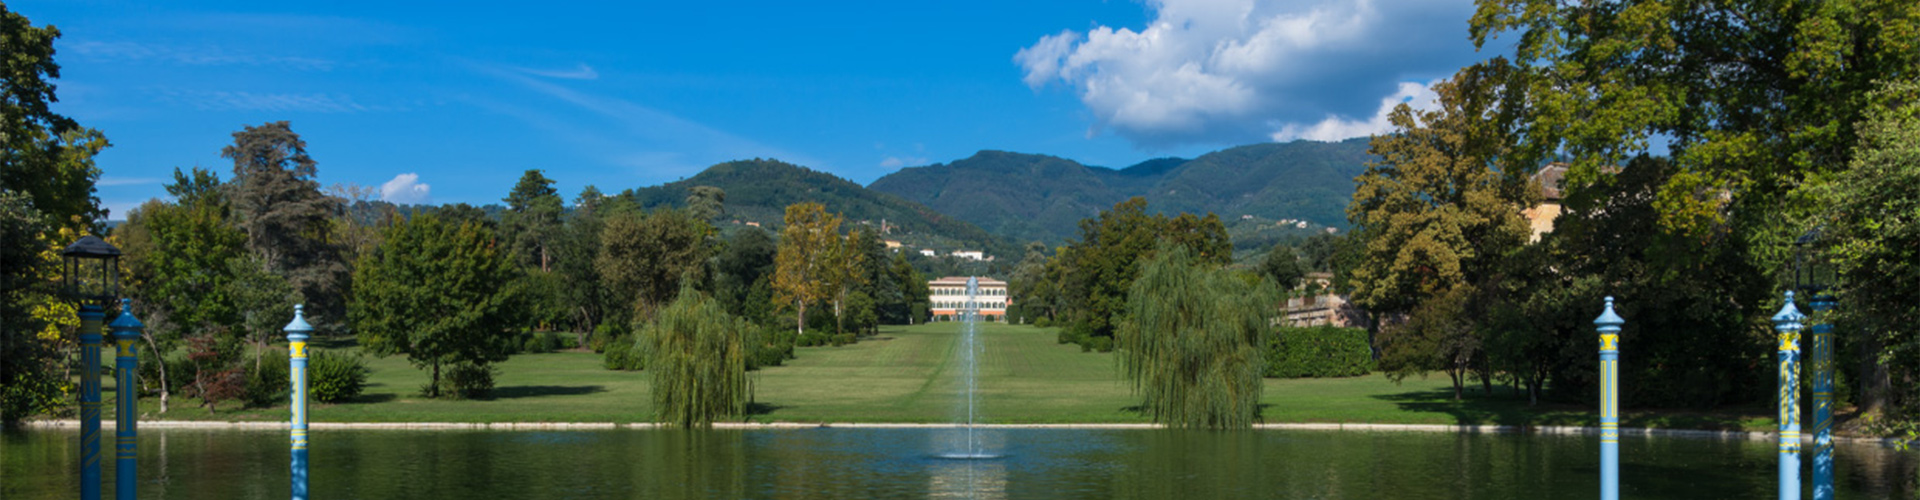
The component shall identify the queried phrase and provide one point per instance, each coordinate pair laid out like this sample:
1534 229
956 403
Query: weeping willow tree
1192 343
697 354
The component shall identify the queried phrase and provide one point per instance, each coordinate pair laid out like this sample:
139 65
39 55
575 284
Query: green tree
286 217
1193 340
1873 234
804 260
1096 272
532 222
1441 334
706 202
697 355
1439 209
1283 266
645 256
743 285
579 250
28 381
44 156
1028 286
435 292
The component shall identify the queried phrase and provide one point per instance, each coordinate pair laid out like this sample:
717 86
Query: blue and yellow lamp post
1609 326
1787 323
91 278
1815 275
126 330
297 333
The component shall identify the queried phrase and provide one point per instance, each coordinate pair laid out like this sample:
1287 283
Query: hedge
1316 352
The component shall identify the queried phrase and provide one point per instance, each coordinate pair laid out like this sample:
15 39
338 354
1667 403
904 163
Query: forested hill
1030 197
760 190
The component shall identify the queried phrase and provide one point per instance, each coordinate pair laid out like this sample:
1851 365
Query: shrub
1043 322
772 346
541 343
565 341
1097 343
334 377
813 338
467 381
621 355
1317 352
843 339
268 383
604 335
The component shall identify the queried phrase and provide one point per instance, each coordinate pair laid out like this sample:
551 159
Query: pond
906 463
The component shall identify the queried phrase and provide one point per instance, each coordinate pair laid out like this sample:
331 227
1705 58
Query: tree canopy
1192 340
436 293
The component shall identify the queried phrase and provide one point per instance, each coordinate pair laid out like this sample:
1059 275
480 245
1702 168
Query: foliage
44 156
742 275
268 382
1873 234
706 202
531 225
1040 198
1442 205
1193 339
286 218
697 354
644 257
804 263
28 382
216 374
1319 352
622 355
1283 267
772 346
465 380
578 251
1441 334
435 293
1094 275
335 377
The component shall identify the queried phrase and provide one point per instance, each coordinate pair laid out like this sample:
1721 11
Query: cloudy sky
425 104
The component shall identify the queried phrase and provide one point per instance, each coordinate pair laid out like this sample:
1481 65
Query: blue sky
450 102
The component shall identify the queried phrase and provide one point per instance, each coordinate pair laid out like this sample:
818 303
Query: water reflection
905 463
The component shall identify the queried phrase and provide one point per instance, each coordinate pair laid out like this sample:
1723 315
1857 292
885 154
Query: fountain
969 349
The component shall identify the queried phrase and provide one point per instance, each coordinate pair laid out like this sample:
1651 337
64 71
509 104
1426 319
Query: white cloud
220 100
112 180
899 161
1222 71
203 55
1334 128
405 188
580 72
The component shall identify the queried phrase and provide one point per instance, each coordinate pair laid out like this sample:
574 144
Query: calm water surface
906 463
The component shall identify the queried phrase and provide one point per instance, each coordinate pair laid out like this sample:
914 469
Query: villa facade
947 298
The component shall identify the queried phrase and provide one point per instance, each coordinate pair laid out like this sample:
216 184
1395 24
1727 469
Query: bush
1317 352
466 381
1043 322
843 339
772 346
333 377
621 354
604 335
564 341
268 382
813 338
1097 343
541 343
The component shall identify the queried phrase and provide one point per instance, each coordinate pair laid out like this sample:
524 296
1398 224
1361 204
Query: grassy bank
912 374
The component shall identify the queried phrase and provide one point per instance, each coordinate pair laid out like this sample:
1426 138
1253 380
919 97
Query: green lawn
912 374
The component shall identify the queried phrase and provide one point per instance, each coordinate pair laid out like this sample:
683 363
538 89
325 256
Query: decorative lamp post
126 330
1787 323
297 333
91 278
1814 274
1609 326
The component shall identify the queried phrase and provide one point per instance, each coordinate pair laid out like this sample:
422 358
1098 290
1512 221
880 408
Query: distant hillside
1035 197
760 190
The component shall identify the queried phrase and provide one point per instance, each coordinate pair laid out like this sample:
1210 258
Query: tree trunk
800 321
1874 386
1459 382
433 390
160 360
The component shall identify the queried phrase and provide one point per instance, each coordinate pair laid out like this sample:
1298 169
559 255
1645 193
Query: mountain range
1029 197
997 200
